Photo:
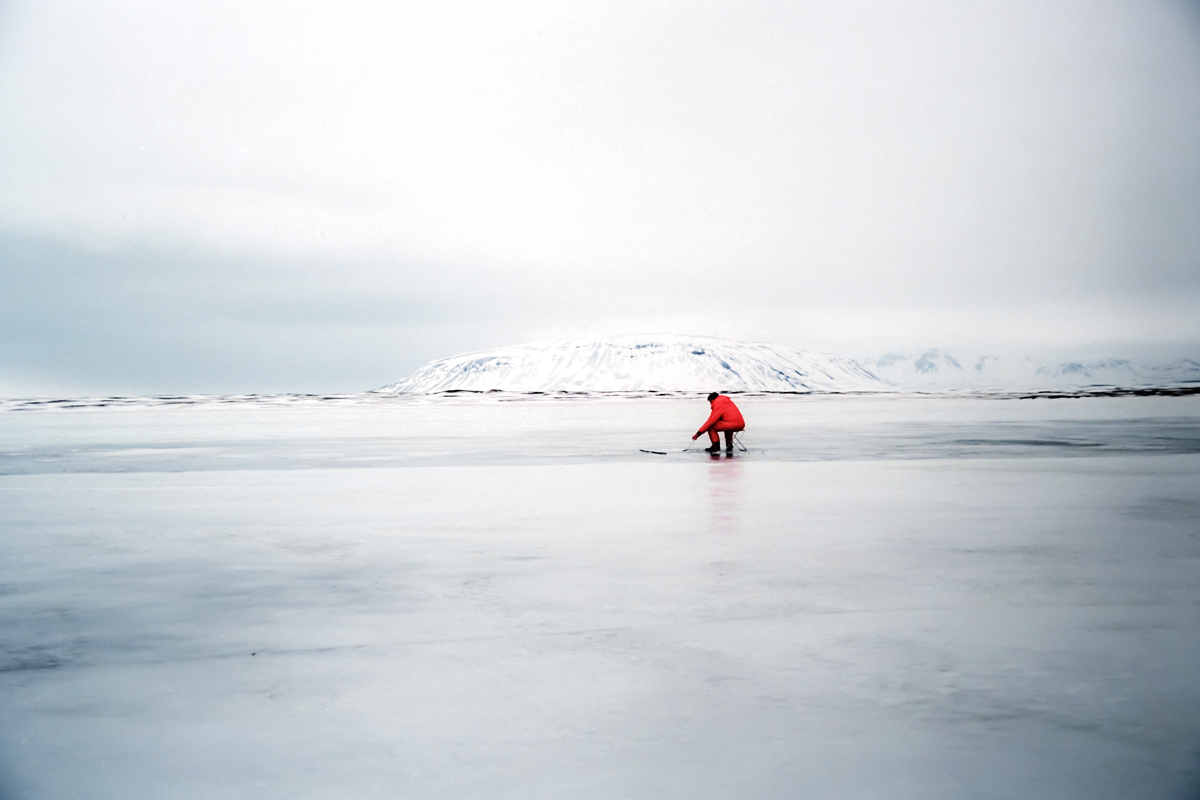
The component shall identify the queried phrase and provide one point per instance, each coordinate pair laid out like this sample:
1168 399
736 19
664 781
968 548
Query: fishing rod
664 452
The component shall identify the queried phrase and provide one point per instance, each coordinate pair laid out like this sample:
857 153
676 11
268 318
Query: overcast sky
286 196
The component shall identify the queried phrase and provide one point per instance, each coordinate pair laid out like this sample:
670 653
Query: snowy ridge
632 363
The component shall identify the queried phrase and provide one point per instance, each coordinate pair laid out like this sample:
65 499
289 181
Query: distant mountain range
702 364
631 363
937 370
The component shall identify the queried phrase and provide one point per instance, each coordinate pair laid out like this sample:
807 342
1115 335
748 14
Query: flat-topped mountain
641 363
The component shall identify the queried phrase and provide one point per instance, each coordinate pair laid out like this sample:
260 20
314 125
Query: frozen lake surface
501 597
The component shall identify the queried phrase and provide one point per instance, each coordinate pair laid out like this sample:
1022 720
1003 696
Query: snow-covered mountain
702 364
642 363
937 371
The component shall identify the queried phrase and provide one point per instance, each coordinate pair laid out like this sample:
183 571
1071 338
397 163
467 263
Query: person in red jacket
724 417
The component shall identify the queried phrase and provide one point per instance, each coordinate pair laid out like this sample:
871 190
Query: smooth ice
885 597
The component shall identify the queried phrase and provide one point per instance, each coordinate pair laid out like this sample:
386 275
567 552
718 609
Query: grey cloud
143 319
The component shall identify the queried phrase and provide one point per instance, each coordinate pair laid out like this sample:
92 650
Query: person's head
713 396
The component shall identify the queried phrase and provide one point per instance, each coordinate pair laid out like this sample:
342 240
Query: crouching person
724 417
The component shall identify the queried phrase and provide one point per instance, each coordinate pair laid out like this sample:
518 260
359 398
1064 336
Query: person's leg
729 441
713 436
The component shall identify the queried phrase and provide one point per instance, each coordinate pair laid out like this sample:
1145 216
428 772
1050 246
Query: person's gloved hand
695 436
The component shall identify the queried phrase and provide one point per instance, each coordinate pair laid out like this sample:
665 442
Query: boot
715 447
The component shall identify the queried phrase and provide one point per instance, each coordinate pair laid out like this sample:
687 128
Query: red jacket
725 416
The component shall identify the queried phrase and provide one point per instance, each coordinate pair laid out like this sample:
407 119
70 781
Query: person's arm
713 418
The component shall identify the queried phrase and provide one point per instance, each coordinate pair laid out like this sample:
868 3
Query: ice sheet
883 598
378 430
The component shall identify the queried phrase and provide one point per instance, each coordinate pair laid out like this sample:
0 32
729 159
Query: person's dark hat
713 396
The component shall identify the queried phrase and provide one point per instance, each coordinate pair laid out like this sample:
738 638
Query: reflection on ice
725 474
902 598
